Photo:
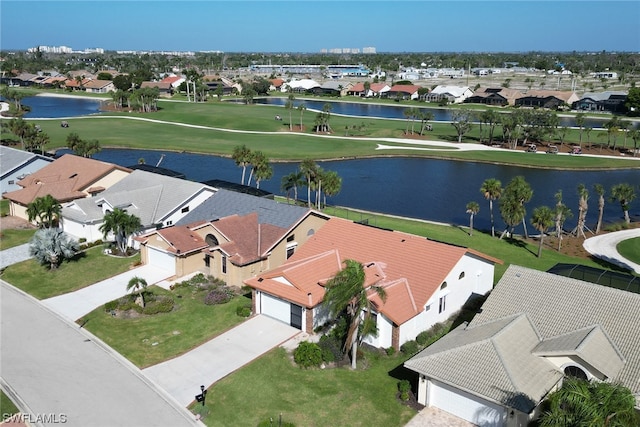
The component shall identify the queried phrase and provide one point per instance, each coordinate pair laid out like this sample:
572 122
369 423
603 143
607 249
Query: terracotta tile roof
410 268
358 87
276 82
159 85
170 79
98 84
74 83
182 240
66 178
405 88
563 95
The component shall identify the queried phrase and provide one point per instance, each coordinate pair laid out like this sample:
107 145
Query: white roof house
534 328
299 85
158 200
454 94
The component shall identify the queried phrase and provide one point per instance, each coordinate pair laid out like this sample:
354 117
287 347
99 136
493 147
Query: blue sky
309 26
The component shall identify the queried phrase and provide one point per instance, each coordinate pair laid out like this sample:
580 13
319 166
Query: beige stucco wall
107 180
18 210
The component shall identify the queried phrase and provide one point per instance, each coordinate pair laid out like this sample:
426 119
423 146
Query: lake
43 107
431 189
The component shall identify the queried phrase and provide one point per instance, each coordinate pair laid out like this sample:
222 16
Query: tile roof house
174 80
164 88
453 94
242 236
375 89
158 200
333 88
534 328
546 99
494 96
276 84
99 86
65 179
16 165
425 281
403 91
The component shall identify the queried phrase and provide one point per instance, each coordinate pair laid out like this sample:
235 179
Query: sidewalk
14 255
604 247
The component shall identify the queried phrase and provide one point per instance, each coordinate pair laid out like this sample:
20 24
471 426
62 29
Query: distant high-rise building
368 50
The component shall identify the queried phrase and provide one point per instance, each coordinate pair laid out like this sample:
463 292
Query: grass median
630 249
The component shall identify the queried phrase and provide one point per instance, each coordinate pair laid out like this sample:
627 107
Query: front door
296 316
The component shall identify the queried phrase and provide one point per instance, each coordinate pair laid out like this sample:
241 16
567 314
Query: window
427 308
11 182
443 304
168 223
461 276
444 285
224 264
291 249
211 240
185 209
575 372
207 261
291 238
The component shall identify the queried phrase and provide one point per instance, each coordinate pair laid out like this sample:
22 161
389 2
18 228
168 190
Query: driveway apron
181 377
74 305
64 374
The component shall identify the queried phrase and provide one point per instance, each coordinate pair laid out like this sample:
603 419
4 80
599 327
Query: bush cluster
243 311
219 295
409 348
404 387
308 354
331 348
161 304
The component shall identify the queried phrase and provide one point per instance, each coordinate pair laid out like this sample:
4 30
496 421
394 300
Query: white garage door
276 308
162 260
465 406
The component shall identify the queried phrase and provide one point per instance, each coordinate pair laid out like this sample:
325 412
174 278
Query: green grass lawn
273 385
13 237
148 340
7 406
630 249
84 270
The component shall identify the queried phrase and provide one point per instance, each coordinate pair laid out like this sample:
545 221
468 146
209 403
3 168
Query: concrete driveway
14 255
604 247
74 305
53 368
181 377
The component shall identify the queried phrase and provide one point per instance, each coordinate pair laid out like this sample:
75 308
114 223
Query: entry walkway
182 376
14 255
51 366
604 247
74 305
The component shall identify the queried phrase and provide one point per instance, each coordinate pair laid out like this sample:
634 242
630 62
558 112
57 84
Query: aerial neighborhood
233 302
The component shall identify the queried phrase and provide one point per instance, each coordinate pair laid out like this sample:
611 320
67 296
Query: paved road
604 247
55 367
181 377
74 305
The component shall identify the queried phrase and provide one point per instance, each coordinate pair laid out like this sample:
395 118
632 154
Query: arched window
211 240
461 276
444 285
575 372
311 232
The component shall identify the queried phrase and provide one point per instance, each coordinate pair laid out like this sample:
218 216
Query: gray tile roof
225 203
538 312
11 158
149 196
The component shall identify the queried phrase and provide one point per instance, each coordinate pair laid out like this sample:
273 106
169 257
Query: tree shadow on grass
519 244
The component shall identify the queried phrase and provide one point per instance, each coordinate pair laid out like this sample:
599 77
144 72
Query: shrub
404 387
331 348
162 304
218 296
111 305
243 311
308 354
390 351
423 337
409 348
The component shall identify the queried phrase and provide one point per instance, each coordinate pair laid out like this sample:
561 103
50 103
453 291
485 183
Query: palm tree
461 121
346 293
542 219
583 206
599 189
138 284
302 109
20 128
472 209
516 194
561 212
491 189
122 225
291 182
51 246
425 117
289 106
44 210
332 184
309 169
241 155
589 403
261 167
580 119
624 194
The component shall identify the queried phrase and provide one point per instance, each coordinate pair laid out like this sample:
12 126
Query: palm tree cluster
122 225
82 147
45 211
324 183
414 113
261 169
31 136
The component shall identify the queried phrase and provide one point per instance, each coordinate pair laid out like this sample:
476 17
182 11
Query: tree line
514 197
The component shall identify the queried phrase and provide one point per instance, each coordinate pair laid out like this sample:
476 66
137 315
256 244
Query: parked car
552 149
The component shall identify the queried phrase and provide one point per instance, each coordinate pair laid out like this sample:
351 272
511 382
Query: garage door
466 406
276 308
162 260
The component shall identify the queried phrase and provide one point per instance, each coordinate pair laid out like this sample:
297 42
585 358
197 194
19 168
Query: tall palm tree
309 169
241 155
580 119
583 206
599 189
491 189
425 117
624 194
302 108
332 184
263 170
589 403
44 210
121 225
138 284
472 209
561 213
346 293
289 105
291 182
542 219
